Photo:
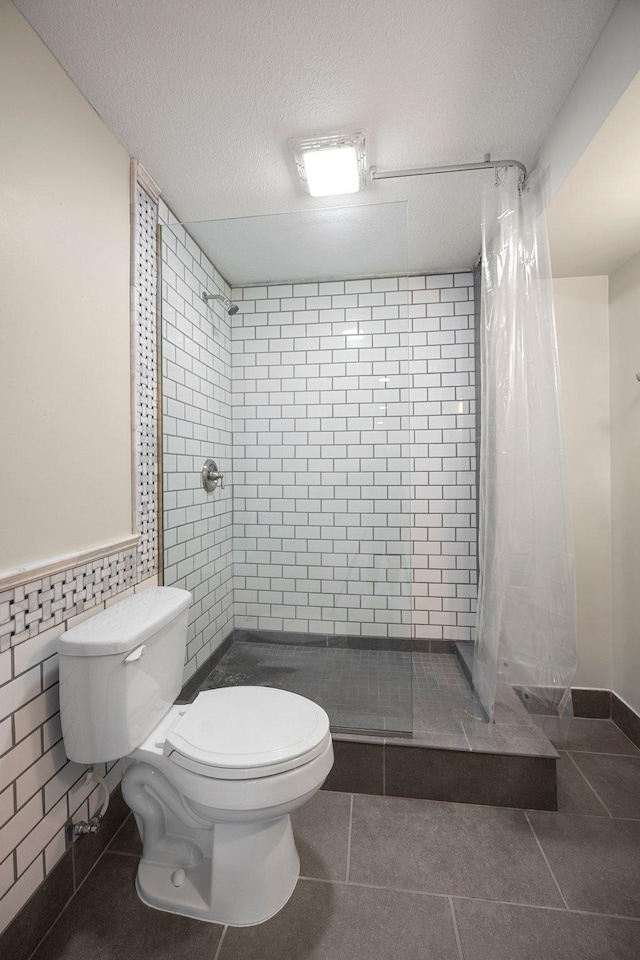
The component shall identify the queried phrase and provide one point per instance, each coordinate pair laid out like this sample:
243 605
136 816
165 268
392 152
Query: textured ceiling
206 94
598 236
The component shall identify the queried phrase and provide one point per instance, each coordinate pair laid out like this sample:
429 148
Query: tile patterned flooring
387 694
363 689
384 877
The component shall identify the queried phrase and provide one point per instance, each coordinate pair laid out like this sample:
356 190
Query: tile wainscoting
40 789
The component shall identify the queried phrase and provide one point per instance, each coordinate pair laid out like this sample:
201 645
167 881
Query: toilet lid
244 732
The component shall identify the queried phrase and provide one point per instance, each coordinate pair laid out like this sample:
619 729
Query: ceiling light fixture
328 166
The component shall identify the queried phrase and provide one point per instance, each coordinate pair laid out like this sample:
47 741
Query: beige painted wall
583 345
624 321
65 448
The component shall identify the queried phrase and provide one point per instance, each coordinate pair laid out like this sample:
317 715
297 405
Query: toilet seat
240 733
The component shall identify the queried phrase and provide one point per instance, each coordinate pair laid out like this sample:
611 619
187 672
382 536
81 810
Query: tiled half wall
354 457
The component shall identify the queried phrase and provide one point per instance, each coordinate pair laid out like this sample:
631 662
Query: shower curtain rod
486 164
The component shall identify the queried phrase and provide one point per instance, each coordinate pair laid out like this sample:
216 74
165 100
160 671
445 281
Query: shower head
230 307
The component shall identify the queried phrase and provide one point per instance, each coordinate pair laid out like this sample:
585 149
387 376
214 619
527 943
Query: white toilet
211 783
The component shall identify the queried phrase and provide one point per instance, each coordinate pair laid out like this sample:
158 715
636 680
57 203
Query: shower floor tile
387 695
361 689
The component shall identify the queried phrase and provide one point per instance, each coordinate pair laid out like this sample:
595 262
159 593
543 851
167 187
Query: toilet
212 784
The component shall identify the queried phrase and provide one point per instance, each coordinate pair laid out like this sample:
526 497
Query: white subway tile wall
196 426
354 457
39 787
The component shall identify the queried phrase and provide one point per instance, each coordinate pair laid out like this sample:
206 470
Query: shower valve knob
211 475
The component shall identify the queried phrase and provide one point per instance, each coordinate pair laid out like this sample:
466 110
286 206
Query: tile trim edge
30 572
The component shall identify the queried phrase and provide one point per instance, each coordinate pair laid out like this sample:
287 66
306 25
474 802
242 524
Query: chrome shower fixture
230 307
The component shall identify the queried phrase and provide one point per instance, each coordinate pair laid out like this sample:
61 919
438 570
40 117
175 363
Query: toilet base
250 876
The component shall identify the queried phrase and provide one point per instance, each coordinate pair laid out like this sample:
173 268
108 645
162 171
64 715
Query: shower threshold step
491 772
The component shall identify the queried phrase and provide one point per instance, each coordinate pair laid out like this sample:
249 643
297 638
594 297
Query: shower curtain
526 623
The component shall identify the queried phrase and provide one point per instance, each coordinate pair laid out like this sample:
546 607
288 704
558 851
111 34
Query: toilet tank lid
126 624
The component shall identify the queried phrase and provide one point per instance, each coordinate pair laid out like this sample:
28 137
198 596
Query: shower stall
339 559
335 553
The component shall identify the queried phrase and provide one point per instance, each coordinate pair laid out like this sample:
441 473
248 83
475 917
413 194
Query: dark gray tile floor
501 931
385 877
455 849
575 793
106 920
341 922
616 780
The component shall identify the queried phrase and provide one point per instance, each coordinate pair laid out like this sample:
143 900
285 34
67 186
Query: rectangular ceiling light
328 166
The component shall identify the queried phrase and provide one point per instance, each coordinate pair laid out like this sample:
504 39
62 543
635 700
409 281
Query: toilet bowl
211 784
213 804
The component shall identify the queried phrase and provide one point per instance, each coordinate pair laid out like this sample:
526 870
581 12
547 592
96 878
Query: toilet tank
120 672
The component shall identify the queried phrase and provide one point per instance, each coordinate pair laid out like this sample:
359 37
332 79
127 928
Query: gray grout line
526 816
481 806
536 906
574 816
464 733
219 948
459 896
349 840
123 853
591 787
446 803
454 920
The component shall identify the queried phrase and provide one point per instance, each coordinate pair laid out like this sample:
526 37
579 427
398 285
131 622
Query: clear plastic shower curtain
526 622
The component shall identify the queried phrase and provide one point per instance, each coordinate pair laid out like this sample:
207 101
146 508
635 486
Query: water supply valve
84 827
211 475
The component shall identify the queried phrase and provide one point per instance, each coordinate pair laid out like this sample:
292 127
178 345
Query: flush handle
135 655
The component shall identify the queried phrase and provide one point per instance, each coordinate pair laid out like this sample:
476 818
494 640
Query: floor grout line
590 785
219 948
349 840
535 835
454 920
459 896
481 806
